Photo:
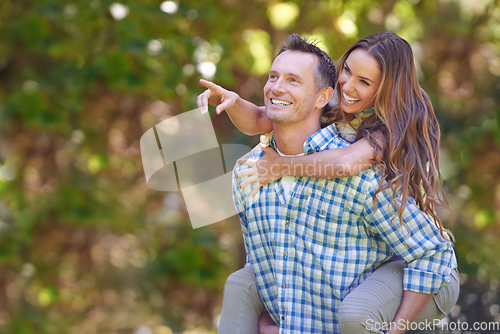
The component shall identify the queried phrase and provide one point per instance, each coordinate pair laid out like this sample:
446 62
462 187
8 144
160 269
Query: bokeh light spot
207 69
346 24
169 7
118 11
282 15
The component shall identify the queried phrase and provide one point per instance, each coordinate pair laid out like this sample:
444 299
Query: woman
395 129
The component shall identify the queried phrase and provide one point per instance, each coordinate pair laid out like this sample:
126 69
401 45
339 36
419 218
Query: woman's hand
217 96
263 171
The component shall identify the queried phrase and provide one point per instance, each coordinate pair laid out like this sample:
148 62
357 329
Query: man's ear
325 95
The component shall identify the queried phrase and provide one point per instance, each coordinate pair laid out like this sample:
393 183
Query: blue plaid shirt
308 251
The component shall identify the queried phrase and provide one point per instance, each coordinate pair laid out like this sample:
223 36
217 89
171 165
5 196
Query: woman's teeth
349 99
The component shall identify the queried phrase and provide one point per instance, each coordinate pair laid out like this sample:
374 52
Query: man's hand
412 305
216 96
266 324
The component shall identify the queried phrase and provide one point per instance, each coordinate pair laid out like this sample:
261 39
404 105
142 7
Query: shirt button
287 222
285 254
283 286
282 317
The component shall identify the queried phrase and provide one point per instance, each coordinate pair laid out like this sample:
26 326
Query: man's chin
274 114
278 119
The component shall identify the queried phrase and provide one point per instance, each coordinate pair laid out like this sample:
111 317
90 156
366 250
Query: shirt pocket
324 223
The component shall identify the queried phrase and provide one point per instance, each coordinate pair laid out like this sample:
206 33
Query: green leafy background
87 247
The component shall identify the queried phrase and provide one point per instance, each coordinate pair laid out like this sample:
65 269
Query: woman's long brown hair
409 162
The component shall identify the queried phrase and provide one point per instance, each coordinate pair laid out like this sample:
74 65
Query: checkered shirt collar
317 142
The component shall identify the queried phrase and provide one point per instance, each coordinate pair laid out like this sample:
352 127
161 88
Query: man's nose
278 87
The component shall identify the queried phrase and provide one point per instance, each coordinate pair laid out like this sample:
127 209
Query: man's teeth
280 102
349 99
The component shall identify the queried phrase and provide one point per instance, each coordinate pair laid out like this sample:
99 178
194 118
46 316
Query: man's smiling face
290 93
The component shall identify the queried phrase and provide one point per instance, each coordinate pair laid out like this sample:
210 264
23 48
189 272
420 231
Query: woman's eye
365 83
346 68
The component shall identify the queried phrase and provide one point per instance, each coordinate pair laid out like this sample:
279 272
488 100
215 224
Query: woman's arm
329 164
246 116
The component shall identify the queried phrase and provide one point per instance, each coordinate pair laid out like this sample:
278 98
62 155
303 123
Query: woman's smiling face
359 81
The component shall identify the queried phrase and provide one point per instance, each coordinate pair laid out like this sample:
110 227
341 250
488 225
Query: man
309 241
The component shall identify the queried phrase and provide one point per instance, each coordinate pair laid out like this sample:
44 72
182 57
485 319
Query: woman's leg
371 307
242 305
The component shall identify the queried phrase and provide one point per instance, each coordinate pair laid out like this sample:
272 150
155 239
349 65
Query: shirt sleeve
239 203
429 257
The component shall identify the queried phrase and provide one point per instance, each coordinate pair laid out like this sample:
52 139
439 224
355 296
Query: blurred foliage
86 247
